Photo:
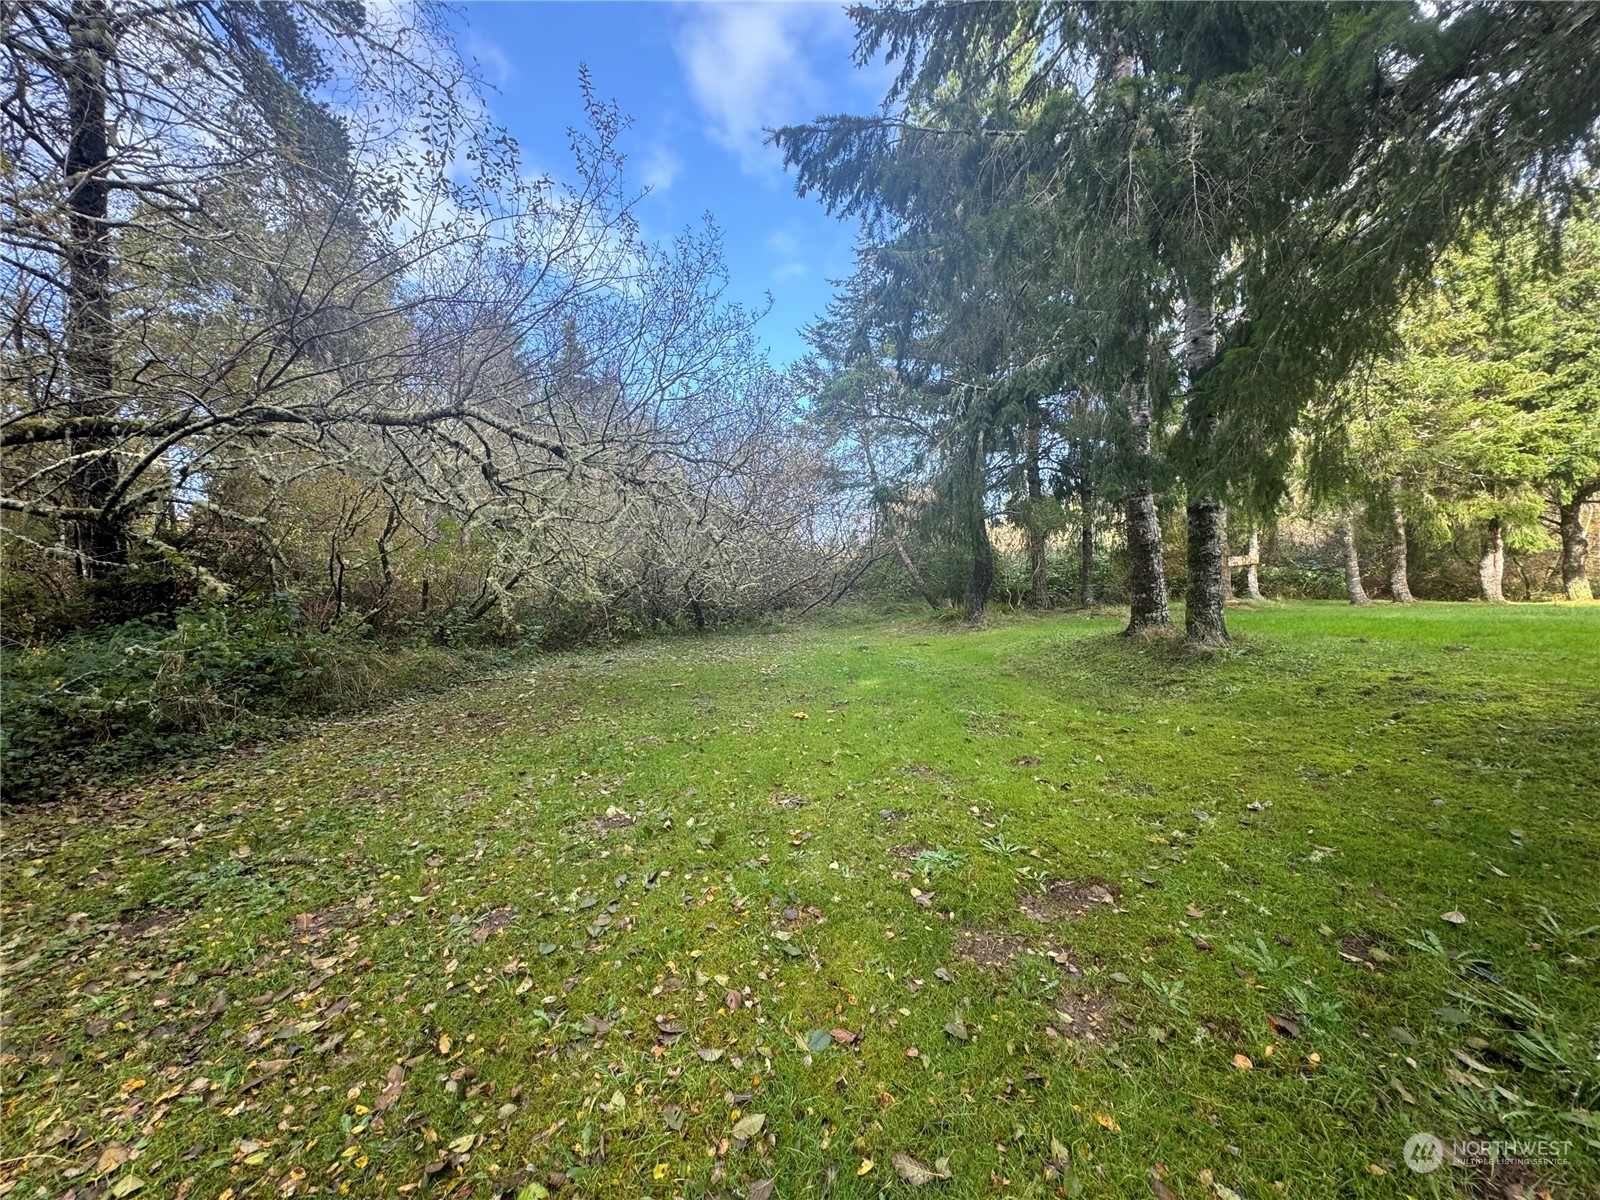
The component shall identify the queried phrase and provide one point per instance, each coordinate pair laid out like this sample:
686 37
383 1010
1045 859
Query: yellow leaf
133 1085
444 1043
1108 1122
661 1170
866 1165
1243 1063
800 716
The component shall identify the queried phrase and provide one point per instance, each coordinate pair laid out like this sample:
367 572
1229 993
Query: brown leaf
733 1000
391 1091
843 1036
761 1189
1161 1190
915 1172
1283 1026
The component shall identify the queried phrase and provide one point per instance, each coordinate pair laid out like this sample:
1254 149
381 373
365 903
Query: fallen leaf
915 1172
818 1040
445 1043
126 1186
1283 1026
463 1143
733 1000
1194 912
800 716
761 1189
1455 917
391 1091
709 1055
1242 1062
747 1127
1161 1190
1108 1122
957 1029
843 1036
866 1165
112 1157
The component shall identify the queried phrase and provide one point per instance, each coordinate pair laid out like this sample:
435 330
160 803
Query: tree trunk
1227 559
97 540
1399 585
1575 551
1352 563
1036 536
1252 583
982 577
1147 576
1203 620
888 518
1492 563
1086 551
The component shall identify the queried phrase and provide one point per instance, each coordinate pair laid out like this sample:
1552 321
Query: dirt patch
1363 950
891 816
151 924
1068 899
1080 1016
790 800
615 818
989 949
493 922
908 853
313 928
1027 760
797 916
922 771
1504 1181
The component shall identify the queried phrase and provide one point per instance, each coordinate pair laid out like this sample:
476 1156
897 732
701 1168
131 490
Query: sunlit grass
464 943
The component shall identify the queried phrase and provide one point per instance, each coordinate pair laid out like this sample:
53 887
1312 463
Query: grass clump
1044 912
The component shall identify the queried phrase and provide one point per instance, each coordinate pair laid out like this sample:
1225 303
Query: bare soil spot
908 853
151 924
1067 899
493 922
1504 1181
1026 760
798 916
614 818
790 800
891 816
1080 1016
1364 950
990 949
922 771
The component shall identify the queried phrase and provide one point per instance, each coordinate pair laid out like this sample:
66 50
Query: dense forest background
312 394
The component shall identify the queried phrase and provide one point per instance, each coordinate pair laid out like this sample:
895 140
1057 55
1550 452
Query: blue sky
700 81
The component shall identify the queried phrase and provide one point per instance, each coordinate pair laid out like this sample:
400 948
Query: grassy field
1049 913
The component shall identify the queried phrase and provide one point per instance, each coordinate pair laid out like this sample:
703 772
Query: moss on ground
1078 916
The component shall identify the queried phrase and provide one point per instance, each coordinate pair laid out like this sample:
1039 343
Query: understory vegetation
1046 913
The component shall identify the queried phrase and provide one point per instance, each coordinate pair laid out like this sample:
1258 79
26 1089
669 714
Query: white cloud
491 59
781 241
789 270
750 68
658 167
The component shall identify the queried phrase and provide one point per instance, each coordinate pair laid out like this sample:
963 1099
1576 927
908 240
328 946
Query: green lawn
1079 916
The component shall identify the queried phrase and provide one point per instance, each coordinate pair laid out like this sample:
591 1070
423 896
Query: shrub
103 702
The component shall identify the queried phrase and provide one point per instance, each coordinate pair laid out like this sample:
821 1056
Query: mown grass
484 942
